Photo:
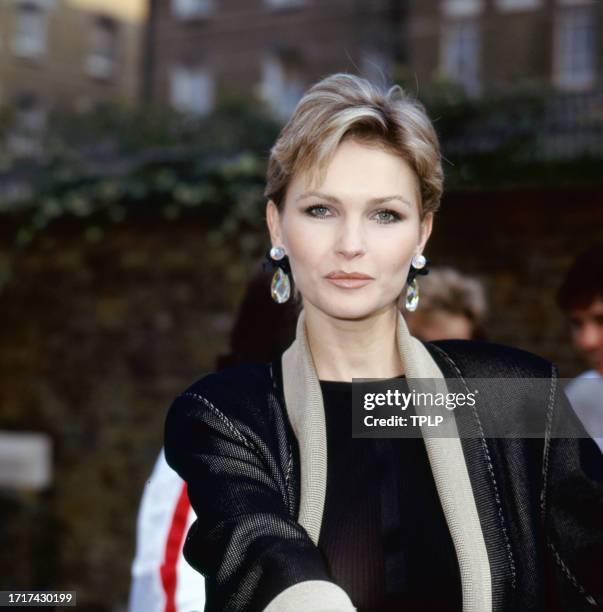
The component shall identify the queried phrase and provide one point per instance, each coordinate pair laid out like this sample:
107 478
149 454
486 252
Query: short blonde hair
345 105
448 290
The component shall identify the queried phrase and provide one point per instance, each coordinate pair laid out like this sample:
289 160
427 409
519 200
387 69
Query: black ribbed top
406 565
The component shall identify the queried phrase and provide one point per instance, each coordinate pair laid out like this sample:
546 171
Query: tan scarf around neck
305 409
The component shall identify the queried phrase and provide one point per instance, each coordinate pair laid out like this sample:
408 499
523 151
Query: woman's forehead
371 176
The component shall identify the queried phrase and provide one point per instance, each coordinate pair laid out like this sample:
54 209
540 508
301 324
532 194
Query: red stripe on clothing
172 550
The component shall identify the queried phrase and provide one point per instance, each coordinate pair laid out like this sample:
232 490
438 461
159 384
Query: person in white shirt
580 297
162 580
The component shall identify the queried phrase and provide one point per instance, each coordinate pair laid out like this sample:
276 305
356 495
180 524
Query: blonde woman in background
453 305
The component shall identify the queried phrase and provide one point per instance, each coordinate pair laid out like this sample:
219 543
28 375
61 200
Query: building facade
68 53
200 49
485 44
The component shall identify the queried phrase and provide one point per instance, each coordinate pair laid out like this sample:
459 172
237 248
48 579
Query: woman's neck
343 349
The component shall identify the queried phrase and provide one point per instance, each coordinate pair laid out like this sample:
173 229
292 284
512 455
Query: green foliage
509 137
104 166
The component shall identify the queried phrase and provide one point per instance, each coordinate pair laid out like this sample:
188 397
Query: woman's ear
274 222
425 230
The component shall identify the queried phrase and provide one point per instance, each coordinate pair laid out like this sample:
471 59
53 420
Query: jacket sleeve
572 508
245 541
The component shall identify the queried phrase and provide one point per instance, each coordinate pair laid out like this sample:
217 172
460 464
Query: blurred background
134 136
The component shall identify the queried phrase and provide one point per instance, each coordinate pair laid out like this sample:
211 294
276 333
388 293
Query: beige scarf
305 409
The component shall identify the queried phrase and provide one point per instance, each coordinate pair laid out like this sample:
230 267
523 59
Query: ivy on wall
101 167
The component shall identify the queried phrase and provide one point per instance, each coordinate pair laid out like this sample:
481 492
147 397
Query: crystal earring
417 266
412 296
280 286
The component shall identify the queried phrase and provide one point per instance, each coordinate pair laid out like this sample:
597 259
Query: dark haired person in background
580 297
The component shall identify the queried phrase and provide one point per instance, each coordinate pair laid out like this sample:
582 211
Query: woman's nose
350 253
350 240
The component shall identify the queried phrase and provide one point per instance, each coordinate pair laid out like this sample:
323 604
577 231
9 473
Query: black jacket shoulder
232 379
241 392
479 359
520 407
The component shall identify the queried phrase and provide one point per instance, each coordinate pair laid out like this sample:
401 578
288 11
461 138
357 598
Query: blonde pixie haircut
342 106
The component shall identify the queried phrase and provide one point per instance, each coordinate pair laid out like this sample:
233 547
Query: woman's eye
391 216
311 209
383 216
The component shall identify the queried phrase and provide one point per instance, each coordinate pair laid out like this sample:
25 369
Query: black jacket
540 501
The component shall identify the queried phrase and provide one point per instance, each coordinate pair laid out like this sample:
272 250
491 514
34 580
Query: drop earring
418 265
280 286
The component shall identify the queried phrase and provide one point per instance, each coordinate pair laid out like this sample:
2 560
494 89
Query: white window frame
192 9
26 41
283 4
473 85
564 74
280 88
459 9
101 62
190 82
511 6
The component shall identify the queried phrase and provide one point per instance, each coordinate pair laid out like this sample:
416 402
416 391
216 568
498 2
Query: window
30 113
461 8
30 30
101 60
282 83
283 3
576 2
574 61
460 53
189 9
30 121
191 90
517 5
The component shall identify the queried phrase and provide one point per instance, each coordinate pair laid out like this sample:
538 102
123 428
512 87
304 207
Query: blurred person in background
452 306
162 580
580 297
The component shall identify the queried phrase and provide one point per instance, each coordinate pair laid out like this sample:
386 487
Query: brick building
503 43
199 49
67 53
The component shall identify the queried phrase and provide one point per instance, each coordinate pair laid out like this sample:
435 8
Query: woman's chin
352 309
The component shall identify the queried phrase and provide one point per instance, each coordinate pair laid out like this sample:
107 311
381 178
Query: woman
294 513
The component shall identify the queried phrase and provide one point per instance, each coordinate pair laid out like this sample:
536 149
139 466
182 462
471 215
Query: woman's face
364 218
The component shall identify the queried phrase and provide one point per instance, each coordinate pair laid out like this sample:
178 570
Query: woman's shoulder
478 358
236 395
238 379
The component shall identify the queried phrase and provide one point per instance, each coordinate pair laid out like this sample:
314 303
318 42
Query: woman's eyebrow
330 198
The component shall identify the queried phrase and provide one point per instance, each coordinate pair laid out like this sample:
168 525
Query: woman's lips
350 283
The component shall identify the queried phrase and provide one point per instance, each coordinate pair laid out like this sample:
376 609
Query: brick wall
97 338
519 243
